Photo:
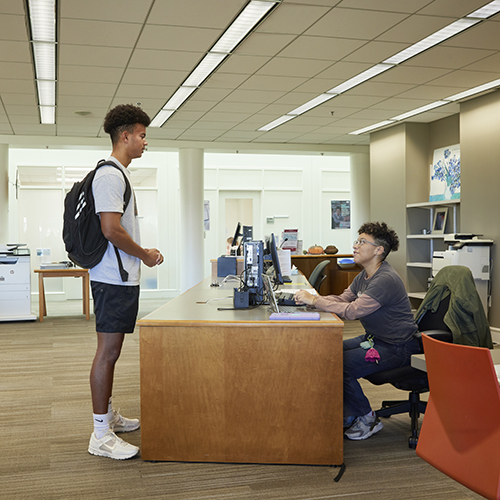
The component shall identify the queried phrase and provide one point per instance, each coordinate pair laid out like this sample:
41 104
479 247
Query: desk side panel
220 393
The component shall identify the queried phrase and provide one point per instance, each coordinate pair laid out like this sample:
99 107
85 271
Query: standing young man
116 302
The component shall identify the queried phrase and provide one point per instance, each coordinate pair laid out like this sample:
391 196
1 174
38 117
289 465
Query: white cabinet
15 288
420 246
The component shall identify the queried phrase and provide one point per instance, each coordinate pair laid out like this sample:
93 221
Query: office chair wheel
412 442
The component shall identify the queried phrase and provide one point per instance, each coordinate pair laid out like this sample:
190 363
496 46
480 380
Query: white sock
110 409
101 425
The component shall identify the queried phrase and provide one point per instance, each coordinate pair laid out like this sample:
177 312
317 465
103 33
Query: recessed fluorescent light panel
362 77
42 18
311 104
422 109
487 11
276 123
432 40
246 21
475 90
371 127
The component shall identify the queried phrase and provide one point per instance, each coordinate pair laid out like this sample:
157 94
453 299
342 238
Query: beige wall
399 173
480 198
387 181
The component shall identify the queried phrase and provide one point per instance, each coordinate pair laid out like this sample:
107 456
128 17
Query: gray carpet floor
46 421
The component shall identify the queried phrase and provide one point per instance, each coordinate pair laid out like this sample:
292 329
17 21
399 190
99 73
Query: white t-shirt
108 188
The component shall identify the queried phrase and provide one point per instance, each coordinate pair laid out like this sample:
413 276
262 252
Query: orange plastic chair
460 433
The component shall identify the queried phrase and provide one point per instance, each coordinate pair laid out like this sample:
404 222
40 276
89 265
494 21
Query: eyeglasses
362 241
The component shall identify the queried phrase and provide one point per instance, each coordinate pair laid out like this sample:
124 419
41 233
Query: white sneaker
112 446
364 427
122 424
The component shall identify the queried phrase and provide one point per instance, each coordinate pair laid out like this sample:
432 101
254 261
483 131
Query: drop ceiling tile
208 94
343 71
264 44
385 89
468 79
13 27
200 135
243 64
177 38
164 59
128 11
415 28
354 101
236 107
221 80
238 136
485 35
355 23
12 8
321 47
449 57
259 82
23 99
90 122
405 6
104 33
83 101
489 64
21 70
197 105
140 92
455 8
263 96
283 66
431 92
155 77
39 130
86 88
15 51
411 74
397 106
327 3
292 18
69 73
210 14
375 52
86 55
23 110
316 86
13 86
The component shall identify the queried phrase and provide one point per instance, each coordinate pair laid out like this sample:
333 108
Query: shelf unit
420 247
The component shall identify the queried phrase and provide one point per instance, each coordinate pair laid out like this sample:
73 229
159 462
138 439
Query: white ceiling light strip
246 21
42 18
487 11
447 100
417 48
432 40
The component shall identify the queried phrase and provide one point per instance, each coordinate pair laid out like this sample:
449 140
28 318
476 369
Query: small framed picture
439 223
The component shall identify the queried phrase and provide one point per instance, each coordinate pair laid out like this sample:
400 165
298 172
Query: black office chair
410 379
318 275
472 329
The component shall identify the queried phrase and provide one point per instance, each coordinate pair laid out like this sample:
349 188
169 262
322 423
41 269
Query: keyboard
286 299
290 309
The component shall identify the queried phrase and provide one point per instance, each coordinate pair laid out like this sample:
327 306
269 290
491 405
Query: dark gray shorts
115 307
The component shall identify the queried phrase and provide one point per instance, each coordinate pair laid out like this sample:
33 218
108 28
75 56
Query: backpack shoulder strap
126 199
128 188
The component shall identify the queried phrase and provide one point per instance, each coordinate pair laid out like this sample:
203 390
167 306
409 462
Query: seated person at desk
377 297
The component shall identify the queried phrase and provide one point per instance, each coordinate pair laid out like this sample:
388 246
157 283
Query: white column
360 191
4 194
191 170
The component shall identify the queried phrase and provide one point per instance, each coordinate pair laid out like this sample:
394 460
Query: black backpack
82 232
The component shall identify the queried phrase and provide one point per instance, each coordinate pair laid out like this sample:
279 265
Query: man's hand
303 297
153 257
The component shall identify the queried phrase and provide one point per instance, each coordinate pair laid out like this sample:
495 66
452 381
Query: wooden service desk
337 279
233 386
62 273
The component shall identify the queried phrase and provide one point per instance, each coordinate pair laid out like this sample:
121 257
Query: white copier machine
15 284
470 251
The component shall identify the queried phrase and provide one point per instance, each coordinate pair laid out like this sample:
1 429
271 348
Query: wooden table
62 273
337 279
233 386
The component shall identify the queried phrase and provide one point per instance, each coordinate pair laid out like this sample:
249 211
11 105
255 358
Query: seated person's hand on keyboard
303 297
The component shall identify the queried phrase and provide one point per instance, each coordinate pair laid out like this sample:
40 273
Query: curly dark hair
382 234
124 117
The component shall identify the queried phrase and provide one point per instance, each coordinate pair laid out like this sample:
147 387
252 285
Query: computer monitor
278 278
237 234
